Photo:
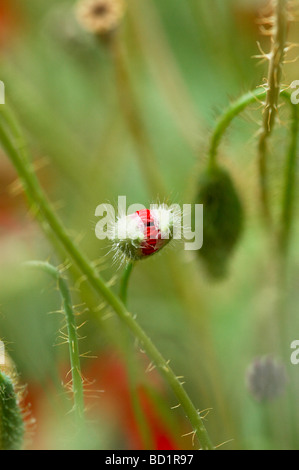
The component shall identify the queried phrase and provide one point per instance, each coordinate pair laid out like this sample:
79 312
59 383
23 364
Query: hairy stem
227 117
72 335
290 173
276 58
51 223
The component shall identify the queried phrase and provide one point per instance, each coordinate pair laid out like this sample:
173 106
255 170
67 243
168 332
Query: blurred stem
285 223
289 186
52 224
125 282
288 203
156 51
134 120
132 366
285 229
276 58
72 335
149 168
183 278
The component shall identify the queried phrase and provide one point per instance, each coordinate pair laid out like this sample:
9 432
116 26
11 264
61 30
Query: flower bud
143 233
223 219
266 378
11 418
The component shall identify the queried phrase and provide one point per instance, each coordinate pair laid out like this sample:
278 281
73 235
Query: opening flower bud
144 233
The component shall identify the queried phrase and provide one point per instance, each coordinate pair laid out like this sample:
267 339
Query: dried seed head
223 219
266 378
100 16
144 233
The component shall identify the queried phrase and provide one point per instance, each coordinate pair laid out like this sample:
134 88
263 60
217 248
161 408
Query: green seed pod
223 220
11 420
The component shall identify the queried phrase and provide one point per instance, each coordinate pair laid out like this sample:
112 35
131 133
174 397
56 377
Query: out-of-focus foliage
187 59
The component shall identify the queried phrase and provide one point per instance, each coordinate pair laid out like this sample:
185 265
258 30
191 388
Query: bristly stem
276 58
224 121
77 383
290 173
52 225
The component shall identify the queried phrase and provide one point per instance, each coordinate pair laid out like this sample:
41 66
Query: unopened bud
223 219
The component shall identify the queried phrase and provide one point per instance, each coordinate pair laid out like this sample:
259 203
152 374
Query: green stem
52 224
72 335
123 294
132 366
129 107
276 58
131 110
289 185
227 117
290 175
156 52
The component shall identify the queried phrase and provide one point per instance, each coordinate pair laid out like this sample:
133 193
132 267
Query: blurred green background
187 60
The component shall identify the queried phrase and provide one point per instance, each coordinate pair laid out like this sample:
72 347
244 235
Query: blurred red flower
8 21
109 373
